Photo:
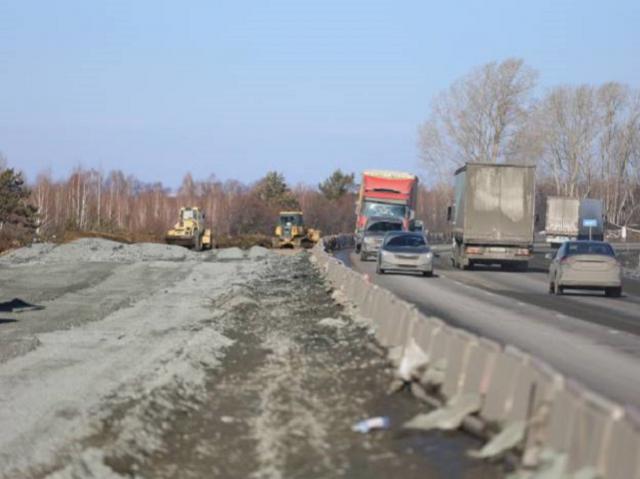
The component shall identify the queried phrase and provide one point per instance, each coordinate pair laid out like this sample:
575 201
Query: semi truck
563 220
385 193
493 215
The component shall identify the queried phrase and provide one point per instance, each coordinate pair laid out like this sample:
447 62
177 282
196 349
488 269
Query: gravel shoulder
162 363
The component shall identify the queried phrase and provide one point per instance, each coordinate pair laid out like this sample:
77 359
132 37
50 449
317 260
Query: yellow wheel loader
190 230
292 233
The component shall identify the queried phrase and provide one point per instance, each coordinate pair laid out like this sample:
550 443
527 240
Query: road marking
560 316
520 303
489 293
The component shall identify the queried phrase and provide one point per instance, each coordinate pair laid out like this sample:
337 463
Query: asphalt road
586 336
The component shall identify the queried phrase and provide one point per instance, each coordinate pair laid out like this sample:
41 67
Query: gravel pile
98 250
230 254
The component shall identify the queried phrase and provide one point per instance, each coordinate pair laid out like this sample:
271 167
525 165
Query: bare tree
477 117
619 150
567 119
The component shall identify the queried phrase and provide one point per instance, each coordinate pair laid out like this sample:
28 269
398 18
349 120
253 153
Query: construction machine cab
290 225
291 218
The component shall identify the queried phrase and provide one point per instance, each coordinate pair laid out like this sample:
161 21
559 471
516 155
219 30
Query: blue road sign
589 223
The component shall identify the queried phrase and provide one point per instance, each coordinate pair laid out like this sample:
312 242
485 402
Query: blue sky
237 88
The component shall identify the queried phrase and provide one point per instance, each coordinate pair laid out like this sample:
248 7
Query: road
588 337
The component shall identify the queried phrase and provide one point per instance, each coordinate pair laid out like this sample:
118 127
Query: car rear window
407 240
589 248
385 226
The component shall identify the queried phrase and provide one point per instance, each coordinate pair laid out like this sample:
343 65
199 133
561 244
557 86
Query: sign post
589 223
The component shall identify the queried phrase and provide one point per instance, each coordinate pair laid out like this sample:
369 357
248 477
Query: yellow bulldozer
292 233
190 230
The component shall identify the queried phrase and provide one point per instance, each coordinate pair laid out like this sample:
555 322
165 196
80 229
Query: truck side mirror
449 213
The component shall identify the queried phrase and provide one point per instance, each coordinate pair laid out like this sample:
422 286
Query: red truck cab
386 193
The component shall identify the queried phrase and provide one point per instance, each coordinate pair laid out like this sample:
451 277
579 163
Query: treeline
584 139
115 203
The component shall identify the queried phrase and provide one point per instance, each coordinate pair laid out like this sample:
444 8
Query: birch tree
476 119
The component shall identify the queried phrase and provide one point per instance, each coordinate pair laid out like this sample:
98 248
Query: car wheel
551 288
428 274
613 292
379 270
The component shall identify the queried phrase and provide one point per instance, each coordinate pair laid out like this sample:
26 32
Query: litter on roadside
367 425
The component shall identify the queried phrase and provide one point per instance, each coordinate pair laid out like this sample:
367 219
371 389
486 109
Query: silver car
373 235
405 251
590 265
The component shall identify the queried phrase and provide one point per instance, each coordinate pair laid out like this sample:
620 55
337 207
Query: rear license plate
497 250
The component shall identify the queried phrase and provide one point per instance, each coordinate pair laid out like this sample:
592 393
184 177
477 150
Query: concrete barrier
591 431
461 345
622 460
501 387
548 385
393 329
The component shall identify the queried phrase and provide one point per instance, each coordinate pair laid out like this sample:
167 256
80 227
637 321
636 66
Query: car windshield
381 209
589 248
383 226
407 240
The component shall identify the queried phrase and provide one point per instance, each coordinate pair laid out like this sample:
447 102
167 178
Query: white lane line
560 316
520 303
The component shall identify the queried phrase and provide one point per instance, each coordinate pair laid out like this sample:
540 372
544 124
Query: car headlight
385 254
425 258
369 240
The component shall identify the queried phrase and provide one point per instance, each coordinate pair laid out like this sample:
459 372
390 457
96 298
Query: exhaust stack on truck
385 193
493 215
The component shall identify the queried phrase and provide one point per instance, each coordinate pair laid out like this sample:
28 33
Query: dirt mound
97 250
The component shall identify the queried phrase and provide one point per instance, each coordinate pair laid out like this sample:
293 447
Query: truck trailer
493 215
385 193
591 224
563 219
